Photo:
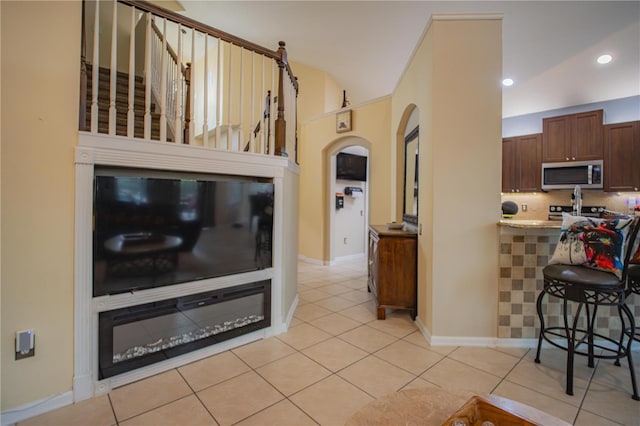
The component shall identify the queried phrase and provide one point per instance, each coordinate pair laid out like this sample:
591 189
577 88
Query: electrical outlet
25 344
345 240
525 207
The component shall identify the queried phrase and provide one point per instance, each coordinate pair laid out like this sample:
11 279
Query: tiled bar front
524 252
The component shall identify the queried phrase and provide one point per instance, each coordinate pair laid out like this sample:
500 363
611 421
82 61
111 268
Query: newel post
280 124
187 104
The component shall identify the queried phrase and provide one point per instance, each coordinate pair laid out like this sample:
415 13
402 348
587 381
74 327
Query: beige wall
314 85
370 122
454 80
333 94
40 76
320 96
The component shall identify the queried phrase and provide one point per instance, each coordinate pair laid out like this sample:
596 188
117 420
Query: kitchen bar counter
530 224
526 246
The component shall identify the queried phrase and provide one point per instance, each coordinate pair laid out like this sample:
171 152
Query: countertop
384 230
530 224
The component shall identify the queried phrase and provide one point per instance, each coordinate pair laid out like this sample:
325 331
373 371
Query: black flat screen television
351 167
154 228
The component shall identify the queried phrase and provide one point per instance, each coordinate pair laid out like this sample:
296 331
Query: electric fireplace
137 336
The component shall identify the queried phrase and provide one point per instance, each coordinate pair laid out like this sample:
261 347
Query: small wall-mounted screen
351 167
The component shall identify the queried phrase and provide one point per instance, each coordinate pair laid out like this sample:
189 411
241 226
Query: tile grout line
113 410
198 396
502 380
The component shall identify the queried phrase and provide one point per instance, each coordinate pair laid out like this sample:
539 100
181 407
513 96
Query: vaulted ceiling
549 47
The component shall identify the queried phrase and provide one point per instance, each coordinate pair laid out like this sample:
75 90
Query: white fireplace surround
98 150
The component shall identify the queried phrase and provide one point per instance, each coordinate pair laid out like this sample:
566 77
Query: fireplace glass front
136 336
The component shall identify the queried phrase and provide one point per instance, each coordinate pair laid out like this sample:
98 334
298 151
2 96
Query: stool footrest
617 352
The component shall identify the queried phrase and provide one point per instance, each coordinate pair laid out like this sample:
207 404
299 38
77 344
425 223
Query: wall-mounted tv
156 228
351 167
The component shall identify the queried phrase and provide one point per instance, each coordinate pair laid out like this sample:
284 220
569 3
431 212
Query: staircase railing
170 71
187 82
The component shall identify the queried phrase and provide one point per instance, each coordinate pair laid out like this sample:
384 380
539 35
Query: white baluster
163 84
178 90
241 106
131 114
192 88
114 70
252 145
230 100
219 94
291 108
95 70
263 93
147 80
272 106
205 126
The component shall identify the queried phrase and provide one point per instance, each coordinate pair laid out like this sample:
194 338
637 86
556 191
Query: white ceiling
549 48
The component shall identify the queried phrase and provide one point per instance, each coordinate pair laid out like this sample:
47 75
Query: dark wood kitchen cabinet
572 137
622 157
521 163
393 269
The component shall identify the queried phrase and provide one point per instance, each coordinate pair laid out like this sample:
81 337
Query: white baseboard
36 408
463 341
337 261
488 341
346 259
292 310
311 261
423 330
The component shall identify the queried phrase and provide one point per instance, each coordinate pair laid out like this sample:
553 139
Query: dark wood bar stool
589 289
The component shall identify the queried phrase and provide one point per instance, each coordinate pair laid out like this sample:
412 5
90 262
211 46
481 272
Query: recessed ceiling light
507 82
604 59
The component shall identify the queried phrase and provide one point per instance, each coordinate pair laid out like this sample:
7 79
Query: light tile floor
336 358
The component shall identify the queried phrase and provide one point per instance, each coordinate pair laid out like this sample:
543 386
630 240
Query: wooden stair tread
121 105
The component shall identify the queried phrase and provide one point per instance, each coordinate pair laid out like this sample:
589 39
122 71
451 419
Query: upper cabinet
572 137
622 157
521 163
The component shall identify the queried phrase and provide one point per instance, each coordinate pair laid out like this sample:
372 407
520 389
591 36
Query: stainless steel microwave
587 174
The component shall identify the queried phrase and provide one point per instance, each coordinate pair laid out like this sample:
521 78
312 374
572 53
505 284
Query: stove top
555 211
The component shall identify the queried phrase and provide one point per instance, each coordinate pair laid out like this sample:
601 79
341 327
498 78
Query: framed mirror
410 209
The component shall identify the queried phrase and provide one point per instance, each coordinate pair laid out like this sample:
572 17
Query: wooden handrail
191 23
214 32
283 58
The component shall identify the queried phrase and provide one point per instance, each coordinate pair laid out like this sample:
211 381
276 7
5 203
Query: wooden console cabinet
393 269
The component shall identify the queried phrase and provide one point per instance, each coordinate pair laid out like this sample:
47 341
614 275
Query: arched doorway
345 238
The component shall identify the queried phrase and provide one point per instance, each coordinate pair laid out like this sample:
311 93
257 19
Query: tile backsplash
538 203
